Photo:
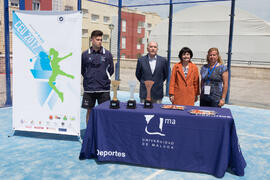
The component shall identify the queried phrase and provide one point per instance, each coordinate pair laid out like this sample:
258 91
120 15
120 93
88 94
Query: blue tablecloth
170 139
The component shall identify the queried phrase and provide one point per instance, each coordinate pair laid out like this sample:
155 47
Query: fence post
117 66
230 50
7 54
79 5
169 47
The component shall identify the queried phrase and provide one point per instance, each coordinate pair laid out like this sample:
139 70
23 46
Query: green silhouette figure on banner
57 71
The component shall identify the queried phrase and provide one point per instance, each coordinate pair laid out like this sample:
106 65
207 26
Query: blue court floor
31 156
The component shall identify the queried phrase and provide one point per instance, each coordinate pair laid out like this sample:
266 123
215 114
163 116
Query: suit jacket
143 73
184 88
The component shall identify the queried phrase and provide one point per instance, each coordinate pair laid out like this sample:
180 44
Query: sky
259 8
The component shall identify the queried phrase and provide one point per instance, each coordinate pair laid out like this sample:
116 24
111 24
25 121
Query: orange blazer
184 88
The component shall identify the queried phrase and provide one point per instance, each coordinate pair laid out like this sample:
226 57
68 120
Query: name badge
207 90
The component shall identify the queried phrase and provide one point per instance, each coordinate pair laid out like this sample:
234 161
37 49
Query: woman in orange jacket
184 83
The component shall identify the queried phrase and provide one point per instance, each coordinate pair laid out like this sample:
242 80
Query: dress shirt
152 62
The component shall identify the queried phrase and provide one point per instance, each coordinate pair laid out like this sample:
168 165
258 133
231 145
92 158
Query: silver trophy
131 104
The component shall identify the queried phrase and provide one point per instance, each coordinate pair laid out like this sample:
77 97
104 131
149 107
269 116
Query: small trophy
114 103
131 104
148 102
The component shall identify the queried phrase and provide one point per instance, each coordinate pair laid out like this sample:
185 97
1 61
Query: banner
46 71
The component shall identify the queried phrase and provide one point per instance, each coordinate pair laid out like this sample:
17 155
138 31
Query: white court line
154 174
254 136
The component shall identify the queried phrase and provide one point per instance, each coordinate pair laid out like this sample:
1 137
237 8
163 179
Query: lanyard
210 72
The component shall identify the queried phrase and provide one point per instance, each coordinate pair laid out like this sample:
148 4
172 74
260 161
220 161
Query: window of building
124 25
105 37
36 5
149 32
139 55
85 12
14 3
123 42
10 26
140 26
94 17
106 19
123 56
68 8
85 32
138 46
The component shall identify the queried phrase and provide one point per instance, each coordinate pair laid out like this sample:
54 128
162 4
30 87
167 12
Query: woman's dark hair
183 51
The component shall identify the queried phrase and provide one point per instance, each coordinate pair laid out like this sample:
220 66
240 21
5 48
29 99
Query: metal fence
127 27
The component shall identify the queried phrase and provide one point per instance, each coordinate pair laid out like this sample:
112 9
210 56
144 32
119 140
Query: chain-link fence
196 25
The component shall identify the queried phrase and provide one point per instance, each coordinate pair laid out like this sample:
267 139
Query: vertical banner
46 71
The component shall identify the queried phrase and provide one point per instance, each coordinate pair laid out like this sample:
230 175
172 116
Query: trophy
131 104
114 103
148 102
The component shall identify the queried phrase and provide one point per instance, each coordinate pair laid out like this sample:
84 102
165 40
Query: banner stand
46 90
13 132
80 139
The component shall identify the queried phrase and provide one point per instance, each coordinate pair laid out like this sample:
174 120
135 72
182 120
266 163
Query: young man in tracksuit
97 69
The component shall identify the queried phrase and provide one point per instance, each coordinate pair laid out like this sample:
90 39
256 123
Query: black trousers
208 102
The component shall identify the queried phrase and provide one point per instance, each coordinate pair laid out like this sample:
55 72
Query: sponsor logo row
47 128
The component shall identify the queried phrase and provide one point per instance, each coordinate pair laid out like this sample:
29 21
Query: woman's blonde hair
219 57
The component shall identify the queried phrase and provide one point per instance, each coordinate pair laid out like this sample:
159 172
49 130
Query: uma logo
160 124
148 118
156 124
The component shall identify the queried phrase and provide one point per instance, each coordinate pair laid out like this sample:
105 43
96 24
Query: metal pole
169 47
79 5
111 41
7 54
111 26
117 66
230 50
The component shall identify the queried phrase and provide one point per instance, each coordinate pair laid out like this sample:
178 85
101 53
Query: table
169 139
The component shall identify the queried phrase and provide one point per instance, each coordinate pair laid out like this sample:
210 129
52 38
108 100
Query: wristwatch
223 99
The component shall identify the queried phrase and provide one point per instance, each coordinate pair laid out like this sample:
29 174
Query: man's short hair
148 44
96 33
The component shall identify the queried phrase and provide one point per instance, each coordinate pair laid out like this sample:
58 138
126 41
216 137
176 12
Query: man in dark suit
152 67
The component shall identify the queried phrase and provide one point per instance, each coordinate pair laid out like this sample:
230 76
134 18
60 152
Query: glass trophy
148 102
114 103
131 104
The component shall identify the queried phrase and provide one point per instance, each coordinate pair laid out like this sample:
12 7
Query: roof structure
205 26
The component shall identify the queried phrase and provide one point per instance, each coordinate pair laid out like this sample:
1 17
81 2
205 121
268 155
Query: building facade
135 29
38 5
97 16
151 20
132 34
45 5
